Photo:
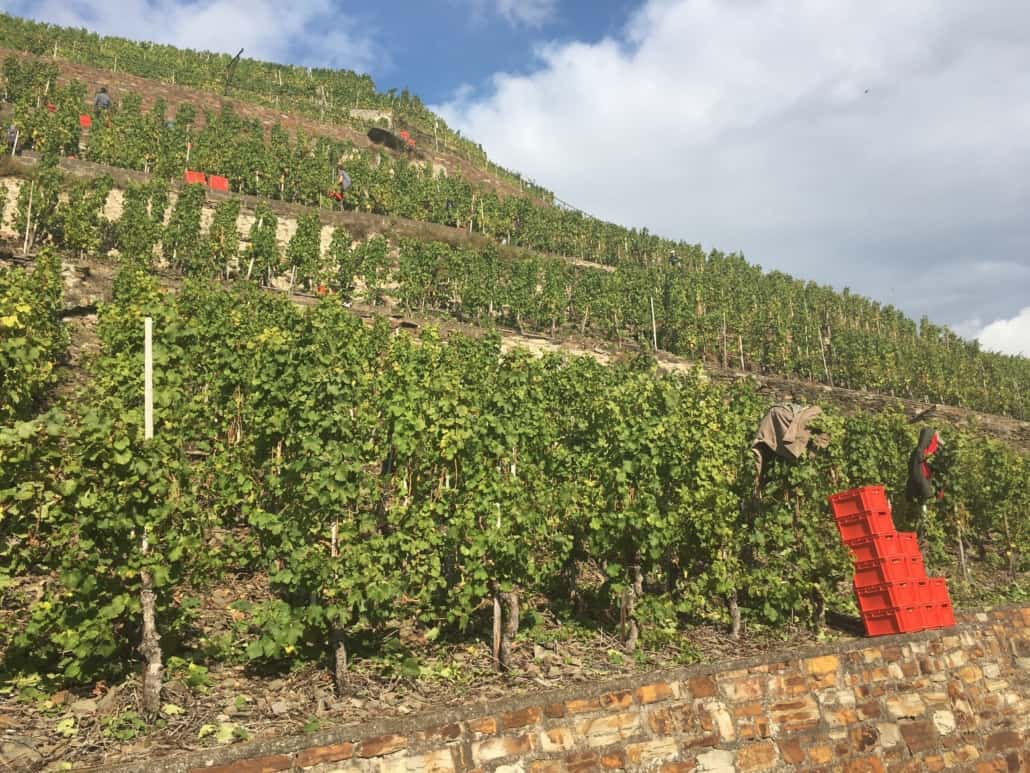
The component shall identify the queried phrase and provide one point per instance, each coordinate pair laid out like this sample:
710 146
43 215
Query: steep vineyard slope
172 96
714 308
441 445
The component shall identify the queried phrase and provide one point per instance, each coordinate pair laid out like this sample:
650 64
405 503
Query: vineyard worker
12 138
784 432
342 184
101 101
919 486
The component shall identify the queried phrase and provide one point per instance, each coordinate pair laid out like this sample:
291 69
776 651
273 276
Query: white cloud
312 32
1009 336
876 145
532 13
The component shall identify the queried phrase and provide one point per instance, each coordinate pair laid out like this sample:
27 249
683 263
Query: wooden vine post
28 219
654 327
150 646
506 620
339 643
629 623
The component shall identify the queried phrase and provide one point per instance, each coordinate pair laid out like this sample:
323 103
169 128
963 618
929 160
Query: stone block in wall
716 761
266 764
439 761
757 756
869 764
745 688
482 726
603 731
920 735
448 732
863 738
715 718
1002 740
382 745
648 753
491 749
905 706
659 691
945 722
520 718
801 713
702 687
322 754
582 762
556 739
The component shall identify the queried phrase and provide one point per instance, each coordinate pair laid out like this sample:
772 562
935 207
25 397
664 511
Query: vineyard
391 495
328 95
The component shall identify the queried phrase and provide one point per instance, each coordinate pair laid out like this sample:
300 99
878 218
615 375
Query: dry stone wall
946 700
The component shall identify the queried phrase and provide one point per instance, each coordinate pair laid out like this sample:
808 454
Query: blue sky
869 144
435 48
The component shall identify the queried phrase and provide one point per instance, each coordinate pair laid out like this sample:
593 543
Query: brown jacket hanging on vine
784 432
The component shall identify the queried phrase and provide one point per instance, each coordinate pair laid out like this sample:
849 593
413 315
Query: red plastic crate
917 569
938 591
891 621
908 543
882 571
891 595
218 183
195 177
938 615
863 525
876 546
859 500
922 591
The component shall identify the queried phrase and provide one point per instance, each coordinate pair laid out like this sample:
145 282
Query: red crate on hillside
882 571
859 500
195 178
917 569
897 620
877 546
922 591
938 615
861 526
85 121
891 595
938 591
908 542
218 183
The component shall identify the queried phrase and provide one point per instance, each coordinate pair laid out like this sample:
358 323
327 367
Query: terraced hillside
366 494
713 307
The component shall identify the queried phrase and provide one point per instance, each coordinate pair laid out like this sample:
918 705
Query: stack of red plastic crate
894 594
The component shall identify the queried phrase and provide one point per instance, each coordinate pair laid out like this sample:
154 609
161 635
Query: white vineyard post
148 378
150 646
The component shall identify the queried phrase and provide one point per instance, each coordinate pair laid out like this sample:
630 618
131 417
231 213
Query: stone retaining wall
957 699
